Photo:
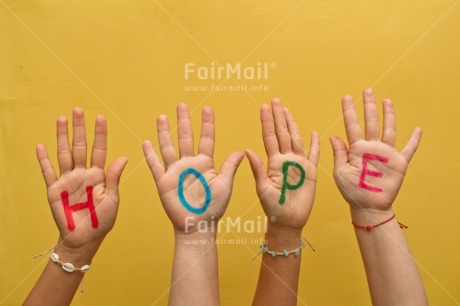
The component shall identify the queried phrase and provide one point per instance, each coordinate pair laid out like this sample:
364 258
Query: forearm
390 267
195 271
56 286
279 276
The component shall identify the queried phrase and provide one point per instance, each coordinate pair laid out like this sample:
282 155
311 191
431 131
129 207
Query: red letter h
69 209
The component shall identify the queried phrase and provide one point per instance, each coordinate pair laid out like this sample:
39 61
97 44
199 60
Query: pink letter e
367 157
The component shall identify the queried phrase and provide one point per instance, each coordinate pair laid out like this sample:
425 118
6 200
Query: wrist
196 226
195 239
369 216
285 232
283 237
79 256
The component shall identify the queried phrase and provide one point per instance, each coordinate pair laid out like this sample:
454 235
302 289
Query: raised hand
287 187
190 188
79 226
194 196
84 203
369 175
286 190
370 172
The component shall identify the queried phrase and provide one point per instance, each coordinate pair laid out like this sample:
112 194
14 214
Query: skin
55 286
195 270
390 268
279 276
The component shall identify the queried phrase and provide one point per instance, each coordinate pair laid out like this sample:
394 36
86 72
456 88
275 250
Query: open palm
189 186
383 166
287 165
97 190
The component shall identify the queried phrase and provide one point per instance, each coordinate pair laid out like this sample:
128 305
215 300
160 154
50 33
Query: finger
112 179
282 132
411 147
313 154
79 139
389 123
153 161
64 154
371 116
45 164
296 140
340 152
268 131
184 130
351 120
168 153
231 164
257 166
99 152
207 141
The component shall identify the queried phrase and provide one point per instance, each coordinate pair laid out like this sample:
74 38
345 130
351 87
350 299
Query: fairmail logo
229 71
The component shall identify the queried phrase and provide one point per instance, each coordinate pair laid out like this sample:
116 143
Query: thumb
112 178
409 149
340 151
231 164
257 166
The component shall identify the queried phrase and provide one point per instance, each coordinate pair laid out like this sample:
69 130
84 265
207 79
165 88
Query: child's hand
190 189
370 172
82 226
287 188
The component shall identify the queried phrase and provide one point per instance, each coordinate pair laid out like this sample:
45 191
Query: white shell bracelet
67 266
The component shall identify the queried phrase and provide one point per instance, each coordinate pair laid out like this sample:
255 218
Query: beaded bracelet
285 253
369 227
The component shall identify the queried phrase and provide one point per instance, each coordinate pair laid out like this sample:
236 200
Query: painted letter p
286 184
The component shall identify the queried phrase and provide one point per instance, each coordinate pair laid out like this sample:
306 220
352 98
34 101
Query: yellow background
125 60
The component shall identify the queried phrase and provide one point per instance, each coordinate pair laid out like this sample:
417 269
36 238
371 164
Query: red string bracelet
369 227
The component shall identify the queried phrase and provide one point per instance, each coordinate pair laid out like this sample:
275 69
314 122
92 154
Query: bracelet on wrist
285 253
370 227
66 266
